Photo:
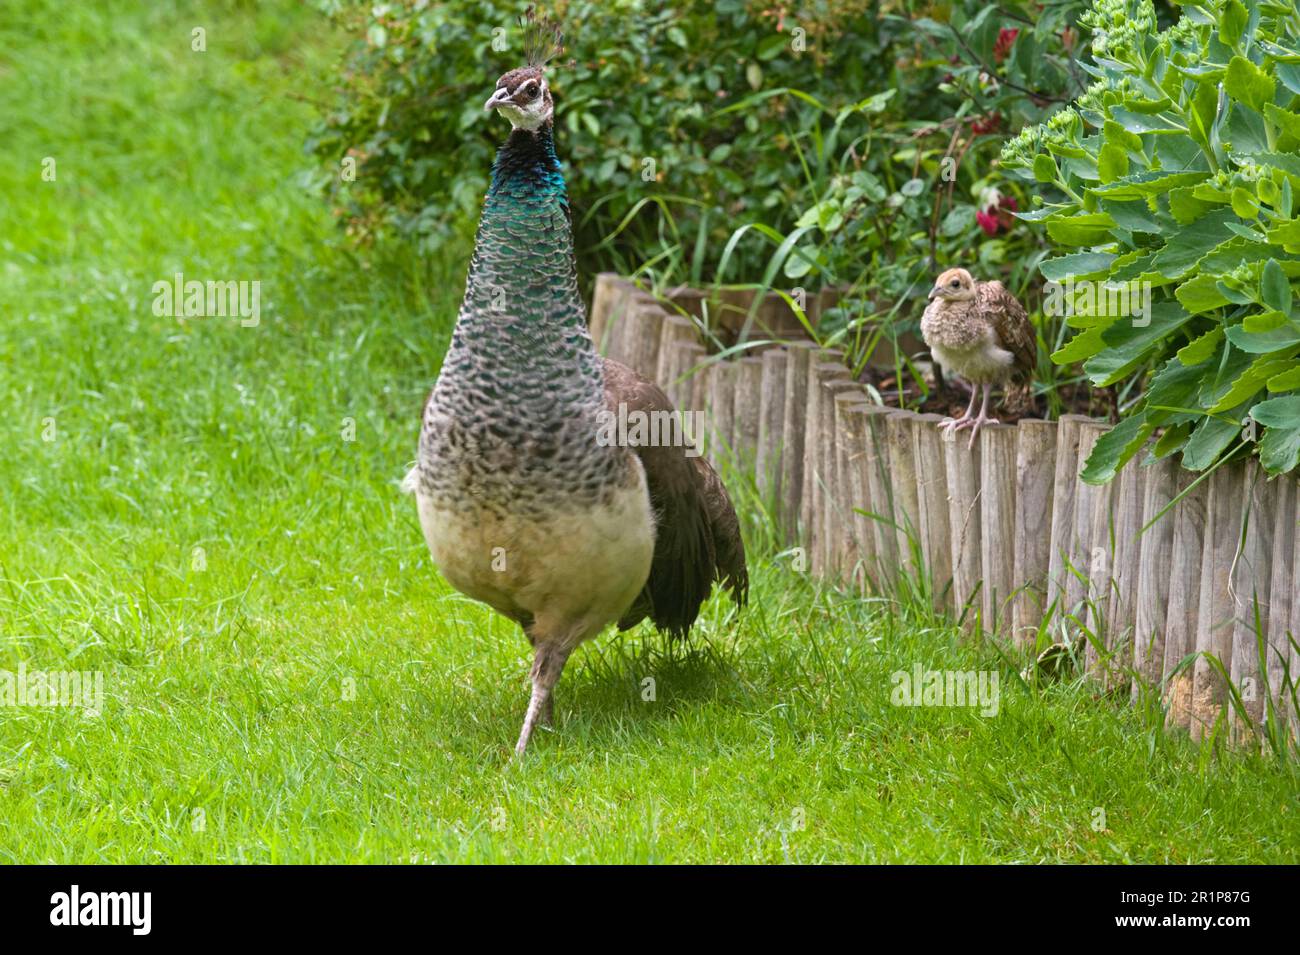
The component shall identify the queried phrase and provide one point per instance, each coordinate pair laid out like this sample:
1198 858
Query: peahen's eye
531 90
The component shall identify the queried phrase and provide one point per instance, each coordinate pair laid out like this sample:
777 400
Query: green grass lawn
287 680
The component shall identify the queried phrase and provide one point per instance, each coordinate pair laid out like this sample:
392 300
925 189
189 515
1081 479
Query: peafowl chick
523 506
978 331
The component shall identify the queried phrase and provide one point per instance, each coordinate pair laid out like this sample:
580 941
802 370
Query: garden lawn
208 514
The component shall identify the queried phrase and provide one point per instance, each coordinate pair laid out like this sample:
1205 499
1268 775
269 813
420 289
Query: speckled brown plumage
980 332
524 506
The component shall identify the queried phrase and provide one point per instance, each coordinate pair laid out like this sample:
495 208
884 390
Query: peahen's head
522 95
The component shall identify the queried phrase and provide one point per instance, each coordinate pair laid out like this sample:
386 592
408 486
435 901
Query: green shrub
642 125
751 113
1180 176
907 181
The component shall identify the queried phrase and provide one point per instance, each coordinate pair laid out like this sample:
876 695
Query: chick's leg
956 424
983 418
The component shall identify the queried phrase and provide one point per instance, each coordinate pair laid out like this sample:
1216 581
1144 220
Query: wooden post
701 385
642 341
1282 599
690 355
902 478
621 325
1294 627
998 451
721 422
610 289
1065 480
1214 623
1250 589
675 329
846 548
962 466
1123 585
1097 552
1082 584
1170 613
932 498
771 418
745 411
1035 489
854 415
881 514
793 427
829 519
813 507
1155 553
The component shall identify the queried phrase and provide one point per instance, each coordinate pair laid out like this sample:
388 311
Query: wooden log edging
1146 577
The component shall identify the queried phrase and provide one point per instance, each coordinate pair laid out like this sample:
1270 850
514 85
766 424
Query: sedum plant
1174 211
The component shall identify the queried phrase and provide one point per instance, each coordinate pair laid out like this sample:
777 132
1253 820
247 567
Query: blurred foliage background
855 143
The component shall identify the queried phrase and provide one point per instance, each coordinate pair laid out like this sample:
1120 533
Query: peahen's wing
697 535
1013 327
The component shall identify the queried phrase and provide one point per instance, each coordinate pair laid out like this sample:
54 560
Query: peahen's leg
548 664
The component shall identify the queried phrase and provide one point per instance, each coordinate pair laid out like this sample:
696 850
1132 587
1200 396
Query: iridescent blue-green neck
522 276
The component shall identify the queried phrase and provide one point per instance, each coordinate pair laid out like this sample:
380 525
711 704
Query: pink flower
997 217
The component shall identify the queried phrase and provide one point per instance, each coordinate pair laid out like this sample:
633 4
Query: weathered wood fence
1003 536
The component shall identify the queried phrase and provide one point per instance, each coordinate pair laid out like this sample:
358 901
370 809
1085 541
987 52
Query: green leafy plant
643 124
1177 176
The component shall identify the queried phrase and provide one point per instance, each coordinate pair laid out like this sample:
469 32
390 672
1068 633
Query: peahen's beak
499 97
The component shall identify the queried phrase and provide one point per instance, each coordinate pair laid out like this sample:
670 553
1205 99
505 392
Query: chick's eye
954 283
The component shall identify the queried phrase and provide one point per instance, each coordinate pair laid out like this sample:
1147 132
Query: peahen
522 504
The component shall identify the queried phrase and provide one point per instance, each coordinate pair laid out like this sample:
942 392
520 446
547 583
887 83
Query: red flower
1006 40
997 218
985 124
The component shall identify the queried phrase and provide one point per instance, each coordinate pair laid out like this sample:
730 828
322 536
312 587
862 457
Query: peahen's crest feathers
543 40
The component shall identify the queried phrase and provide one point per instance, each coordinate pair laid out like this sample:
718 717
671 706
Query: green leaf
1288 122
1209 439
1279 450
1086 229
1143 185
1187 245
1286 381
1244 203
1112 163
1077 265
1117 134
1134 215
1200 349
1115 448
1081 347
1248 84
1130 340
1185 207
1201 294
1232 22
1275 287
1251 382
1045 168
1262 343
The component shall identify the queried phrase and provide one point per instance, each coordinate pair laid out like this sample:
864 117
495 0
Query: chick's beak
933 293
499 97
